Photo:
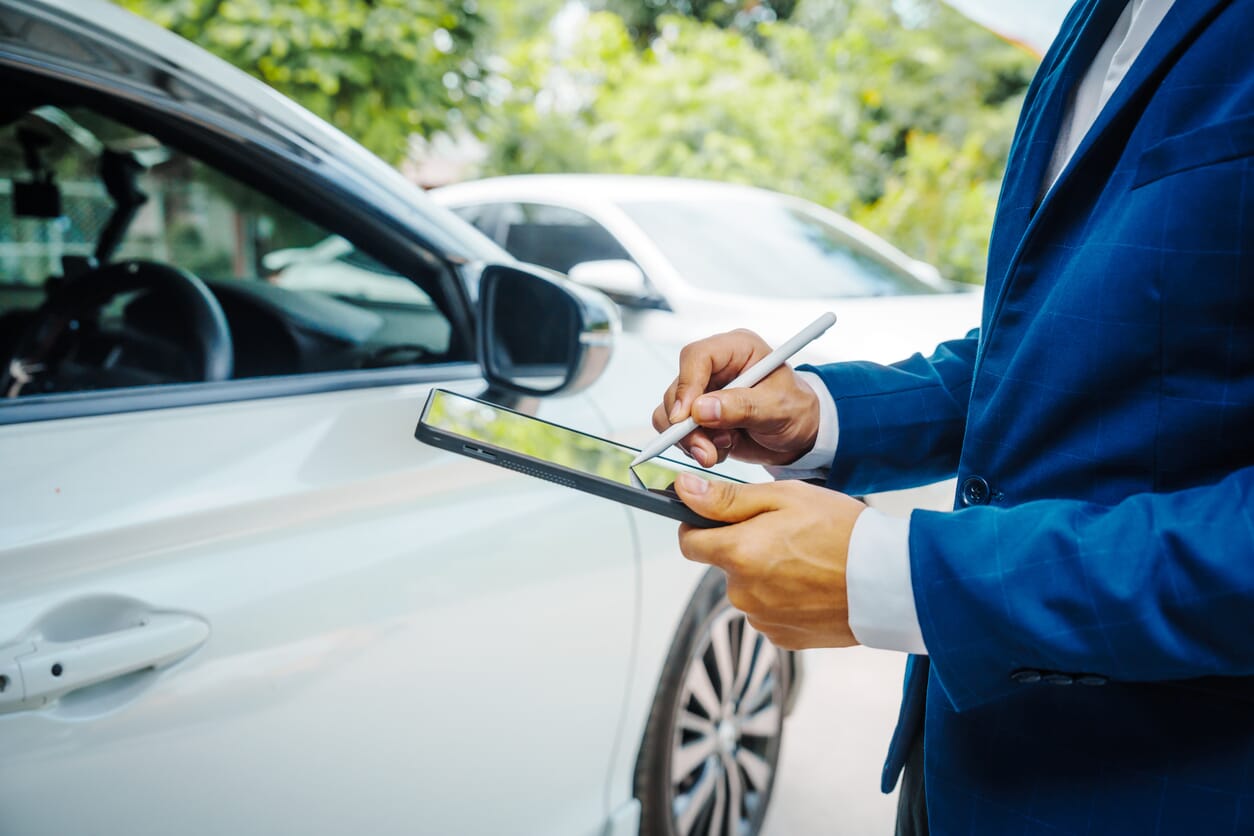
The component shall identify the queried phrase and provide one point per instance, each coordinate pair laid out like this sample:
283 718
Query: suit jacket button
975 491
1026 677
1058 678
1091 679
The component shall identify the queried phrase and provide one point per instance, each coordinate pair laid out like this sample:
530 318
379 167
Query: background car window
555 237
482 217
297 298
760 247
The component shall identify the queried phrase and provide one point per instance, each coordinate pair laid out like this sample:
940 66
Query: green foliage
699 102
938 203
380 70
902 121
898 113
643 16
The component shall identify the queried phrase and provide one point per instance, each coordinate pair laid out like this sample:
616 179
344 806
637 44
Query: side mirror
540 334
619 278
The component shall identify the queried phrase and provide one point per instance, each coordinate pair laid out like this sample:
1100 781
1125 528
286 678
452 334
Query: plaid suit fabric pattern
1091 624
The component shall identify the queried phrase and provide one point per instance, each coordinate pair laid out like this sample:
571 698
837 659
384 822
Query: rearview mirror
540 334
618 277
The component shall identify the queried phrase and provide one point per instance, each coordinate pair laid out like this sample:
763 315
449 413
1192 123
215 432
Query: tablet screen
477 421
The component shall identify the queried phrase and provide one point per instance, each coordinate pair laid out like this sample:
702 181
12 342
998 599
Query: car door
259 605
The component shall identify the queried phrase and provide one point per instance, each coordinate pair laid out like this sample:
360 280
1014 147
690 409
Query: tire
711 745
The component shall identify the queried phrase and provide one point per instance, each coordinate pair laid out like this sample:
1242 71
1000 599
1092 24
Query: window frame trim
128 399
387 242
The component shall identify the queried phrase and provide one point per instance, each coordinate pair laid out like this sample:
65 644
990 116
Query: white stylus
749 377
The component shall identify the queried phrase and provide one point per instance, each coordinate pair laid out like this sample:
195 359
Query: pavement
828 779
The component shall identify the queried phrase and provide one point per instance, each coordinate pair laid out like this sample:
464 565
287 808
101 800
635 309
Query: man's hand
784 556
775 422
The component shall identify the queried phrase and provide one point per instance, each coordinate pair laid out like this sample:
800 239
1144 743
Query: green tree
699 102
938 203
380 70
642 16
898 114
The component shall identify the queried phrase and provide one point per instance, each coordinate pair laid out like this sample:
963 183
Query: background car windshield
767 248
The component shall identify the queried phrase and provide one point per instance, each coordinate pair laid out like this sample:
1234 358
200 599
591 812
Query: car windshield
771 248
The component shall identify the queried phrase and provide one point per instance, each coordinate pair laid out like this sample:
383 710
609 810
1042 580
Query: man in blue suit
1082 625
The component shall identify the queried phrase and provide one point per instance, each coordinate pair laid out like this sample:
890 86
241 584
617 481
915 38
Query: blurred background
896 113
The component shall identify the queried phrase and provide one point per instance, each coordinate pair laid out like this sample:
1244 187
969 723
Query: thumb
724 501
685 393
733 409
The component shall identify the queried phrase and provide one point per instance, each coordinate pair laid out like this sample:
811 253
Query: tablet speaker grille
539 474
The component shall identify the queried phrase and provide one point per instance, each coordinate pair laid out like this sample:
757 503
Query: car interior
126 262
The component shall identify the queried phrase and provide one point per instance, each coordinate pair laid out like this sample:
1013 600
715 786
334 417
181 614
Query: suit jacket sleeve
900 425
1158 587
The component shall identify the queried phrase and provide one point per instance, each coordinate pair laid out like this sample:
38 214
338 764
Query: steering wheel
58 327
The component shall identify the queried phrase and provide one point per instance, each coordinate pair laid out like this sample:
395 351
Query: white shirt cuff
877 580
819 459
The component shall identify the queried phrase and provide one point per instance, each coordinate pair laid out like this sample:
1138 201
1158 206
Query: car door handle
39 672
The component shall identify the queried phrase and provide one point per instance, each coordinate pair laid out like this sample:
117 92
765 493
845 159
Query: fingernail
692 483
677 413
707 409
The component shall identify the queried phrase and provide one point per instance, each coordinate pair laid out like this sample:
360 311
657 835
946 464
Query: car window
481 217
768 247
78 190
555 237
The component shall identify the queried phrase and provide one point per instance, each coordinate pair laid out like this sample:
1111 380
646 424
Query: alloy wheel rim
726 730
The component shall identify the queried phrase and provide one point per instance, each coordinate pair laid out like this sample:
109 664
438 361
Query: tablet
559 454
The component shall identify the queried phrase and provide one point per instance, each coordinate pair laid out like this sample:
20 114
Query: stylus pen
749 377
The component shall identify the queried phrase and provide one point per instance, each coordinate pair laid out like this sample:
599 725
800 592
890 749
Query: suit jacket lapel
1164 46
1015 220
1073 50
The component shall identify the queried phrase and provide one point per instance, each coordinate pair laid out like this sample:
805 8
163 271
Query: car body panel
367 619
880 329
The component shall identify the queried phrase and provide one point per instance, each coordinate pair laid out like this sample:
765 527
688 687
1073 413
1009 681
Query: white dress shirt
882 611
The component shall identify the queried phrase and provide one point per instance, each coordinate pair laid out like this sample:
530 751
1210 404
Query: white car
236 594
688 258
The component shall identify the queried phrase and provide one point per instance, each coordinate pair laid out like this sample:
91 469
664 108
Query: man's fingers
712 362
696 362
687 390
726 501
696 444
661 415
660 421
700 447
707 545
748 409
708 364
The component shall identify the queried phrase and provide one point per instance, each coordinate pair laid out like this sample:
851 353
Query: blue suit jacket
1089 608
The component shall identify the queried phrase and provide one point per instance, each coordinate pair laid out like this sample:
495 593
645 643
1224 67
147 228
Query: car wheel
707 762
